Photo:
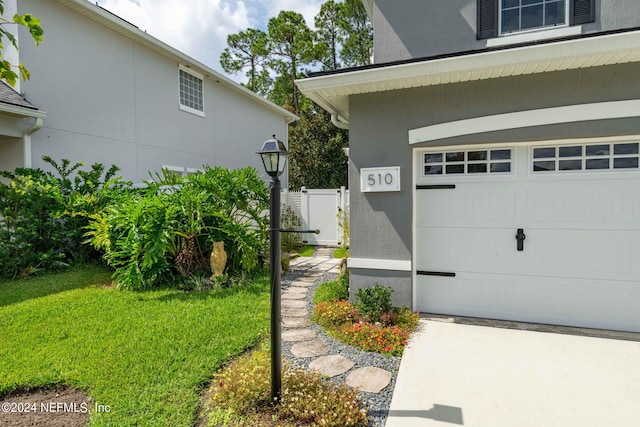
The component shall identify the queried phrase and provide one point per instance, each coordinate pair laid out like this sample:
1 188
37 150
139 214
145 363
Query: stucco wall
113 101
423 28
381 223
12 150
399 281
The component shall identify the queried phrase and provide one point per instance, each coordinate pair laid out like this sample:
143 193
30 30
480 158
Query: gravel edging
377 403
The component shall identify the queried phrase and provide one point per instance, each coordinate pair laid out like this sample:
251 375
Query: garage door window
467 162
591 157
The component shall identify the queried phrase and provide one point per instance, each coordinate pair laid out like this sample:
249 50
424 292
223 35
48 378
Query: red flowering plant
366 325
389 340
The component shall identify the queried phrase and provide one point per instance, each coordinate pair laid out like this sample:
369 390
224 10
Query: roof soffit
332 91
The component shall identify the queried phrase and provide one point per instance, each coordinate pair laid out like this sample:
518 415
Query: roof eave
332 91
15 110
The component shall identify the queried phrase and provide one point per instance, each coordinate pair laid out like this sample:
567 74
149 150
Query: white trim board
544 33
379 264
521 119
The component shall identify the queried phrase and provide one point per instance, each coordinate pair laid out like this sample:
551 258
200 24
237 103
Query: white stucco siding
12 150
241 128
79 73
113 100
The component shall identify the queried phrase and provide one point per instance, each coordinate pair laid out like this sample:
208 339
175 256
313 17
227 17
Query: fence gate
319 210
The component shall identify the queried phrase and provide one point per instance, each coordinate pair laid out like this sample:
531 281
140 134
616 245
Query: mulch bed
52 407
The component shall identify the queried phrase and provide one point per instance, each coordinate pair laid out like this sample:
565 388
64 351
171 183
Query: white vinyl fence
319 210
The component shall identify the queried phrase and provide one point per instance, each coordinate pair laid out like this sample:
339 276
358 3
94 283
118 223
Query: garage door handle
520 236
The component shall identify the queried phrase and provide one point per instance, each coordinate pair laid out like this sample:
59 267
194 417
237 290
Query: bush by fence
151 237
42 214
155 237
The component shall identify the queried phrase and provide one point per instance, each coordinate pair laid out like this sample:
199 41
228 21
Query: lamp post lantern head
274 156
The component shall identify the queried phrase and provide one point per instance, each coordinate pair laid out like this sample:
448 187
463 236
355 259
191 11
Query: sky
200 28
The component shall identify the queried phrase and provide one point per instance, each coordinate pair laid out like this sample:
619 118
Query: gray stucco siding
424 28
399 281
615 14
382 223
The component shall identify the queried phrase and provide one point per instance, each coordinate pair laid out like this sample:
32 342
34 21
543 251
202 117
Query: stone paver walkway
315 266
295 323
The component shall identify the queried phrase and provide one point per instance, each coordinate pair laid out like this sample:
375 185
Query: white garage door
578 206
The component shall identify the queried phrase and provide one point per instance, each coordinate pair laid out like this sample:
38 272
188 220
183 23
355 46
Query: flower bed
385 332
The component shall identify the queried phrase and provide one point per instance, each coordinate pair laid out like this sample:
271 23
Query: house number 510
376 179
380 179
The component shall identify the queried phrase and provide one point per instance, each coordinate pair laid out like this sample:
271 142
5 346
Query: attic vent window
191 92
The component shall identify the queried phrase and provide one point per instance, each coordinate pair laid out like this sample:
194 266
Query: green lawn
307 251
147 355
341 253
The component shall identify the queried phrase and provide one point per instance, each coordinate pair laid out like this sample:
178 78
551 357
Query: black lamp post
274 157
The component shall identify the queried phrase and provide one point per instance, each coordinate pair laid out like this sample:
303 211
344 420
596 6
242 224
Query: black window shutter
582 11
487 19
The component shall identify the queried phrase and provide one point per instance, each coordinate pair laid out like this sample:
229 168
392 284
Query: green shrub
308 398
136 236
406 318
333 291
334 313
42 214
244 384
225 205
242 392
166 232
374 301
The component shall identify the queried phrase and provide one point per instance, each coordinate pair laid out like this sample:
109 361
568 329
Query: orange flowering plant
343 321
334 313
389 340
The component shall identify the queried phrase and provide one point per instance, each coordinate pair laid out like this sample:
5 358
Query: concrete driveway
459 374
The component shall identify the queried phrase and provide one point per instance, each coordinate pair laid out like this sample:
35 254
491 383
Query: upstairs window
191 92
503 17
520 15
